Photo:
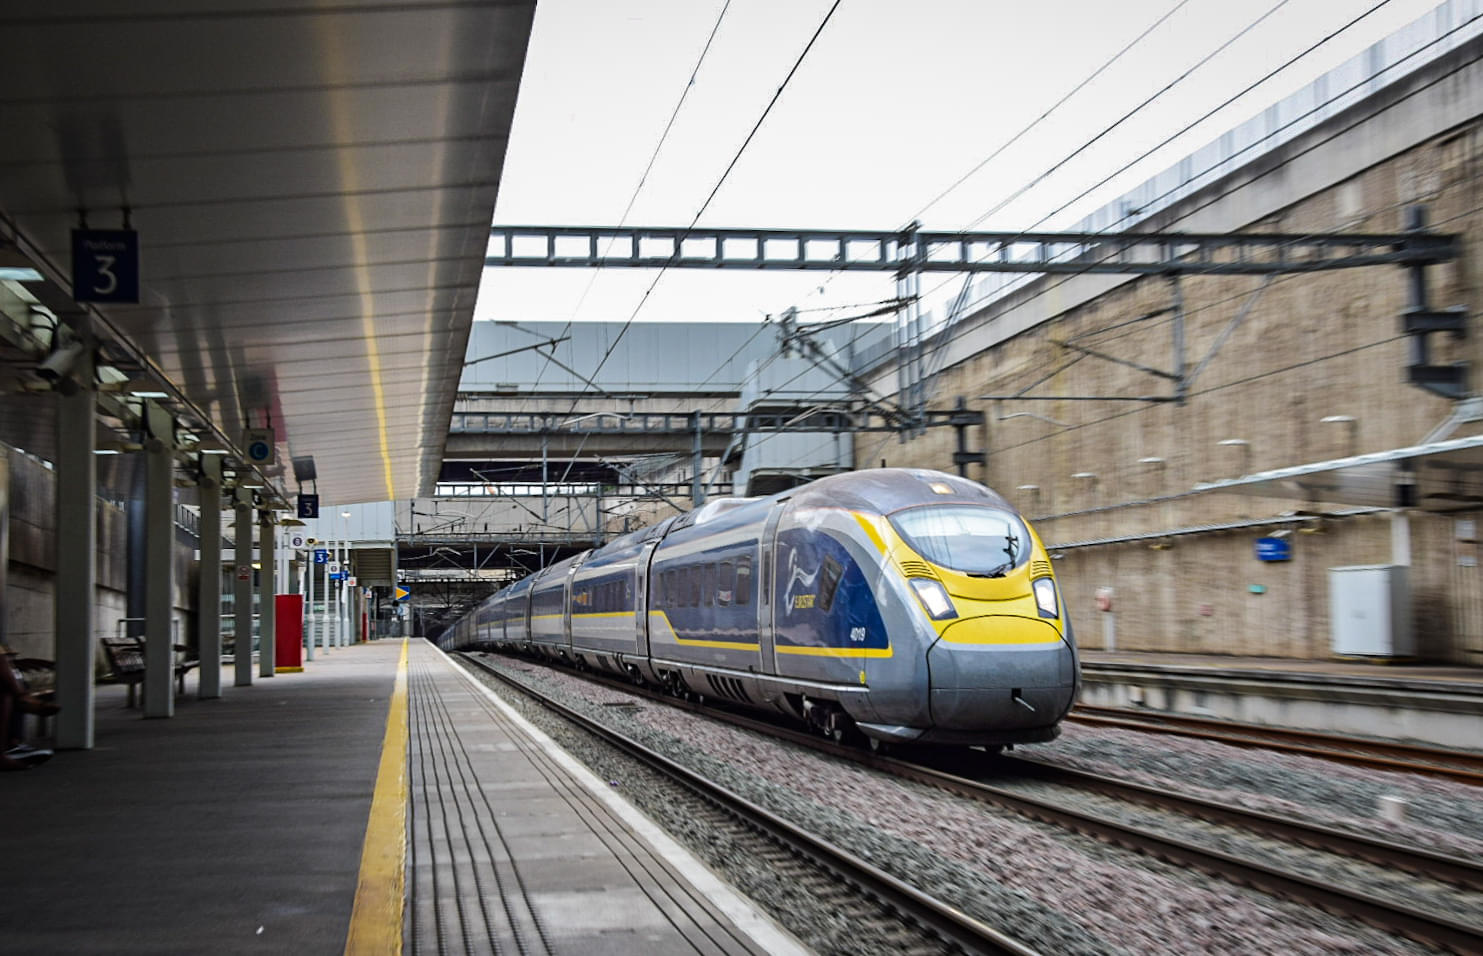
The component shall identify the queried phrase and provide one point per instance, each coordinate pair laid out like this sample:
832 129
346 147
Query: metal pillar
77 546
697 485
306 586
208 584
159 551
267 650
242 595
321 619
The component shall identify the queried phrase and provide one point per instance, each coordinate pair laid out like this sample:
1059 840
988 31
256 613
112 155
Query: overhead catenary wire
719 183
648 168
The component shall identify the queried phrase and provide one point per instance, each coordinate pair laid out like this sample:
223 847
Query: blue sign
1273 549
321 556
308 506
337 575
105 265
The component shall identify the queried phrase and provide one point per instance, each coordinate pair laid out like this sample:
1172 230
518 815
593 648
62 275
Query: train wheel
878 746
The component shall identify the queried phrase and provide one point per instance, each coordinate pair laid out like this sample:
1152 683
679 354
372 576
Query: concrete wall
1312 346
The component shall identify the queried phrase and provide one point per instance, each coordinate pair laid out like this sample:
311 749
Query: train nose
1000 672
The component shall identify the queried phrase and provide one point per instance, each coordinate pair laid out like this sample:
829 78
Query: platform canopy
1437 476
312 185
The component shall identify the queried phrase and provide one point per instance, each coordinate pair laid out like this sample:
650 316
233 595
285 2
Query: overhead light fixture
107 451
344 514
1085 474
215 451
1233 441
150 394
1150 461
15 266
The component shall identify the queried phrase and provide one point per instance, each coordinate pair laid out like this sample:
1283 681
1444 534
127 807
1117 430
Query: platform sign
1273 549
321 556
308 506
400 594
334 570
259 445
105 265
296 540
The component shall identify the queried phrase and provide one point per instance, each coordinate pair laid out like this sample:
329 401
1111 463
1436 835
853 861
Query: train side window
829 577
692 586
725 584
743 581
708 584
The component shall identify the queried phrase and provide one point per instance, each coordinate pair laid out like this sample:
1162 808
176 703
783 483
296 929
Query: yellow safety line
376 919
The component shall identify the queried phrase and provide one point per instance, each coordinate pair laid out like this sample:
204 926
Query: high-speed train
912 605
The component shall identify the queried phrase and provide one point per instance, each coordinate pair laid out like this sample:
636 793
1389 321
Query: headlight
934 598
1045 597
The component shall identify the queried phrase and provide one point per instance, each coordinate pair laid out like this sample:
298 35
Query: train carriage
911 605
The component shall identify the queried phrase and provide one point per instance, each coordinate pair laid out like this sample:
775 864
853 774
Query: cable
1129 114
719 183
644 176
1055 106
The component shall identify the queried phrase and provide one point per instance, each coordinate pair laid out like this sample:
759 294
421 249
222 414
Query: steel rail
952 924
1377 911
1382 755
1457 870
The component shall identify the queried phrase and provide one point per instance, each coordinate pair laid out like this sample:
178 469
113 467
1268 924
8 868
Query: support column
77 547
697 459
242 594
208 585
267 586
306 586
159 551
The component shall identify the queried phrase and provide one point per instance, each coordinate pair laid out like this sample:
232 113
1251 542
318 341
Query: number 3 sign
105 265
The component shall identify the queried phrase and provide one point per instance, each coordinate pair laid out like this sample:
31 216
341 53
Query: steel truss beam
915 251
680 426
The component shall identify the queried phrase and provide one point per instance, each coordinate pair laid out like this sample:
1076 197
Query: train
906 605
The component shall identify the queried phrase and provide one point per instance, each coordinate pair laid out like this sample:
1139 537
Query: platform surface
1399 675
237 826
233 827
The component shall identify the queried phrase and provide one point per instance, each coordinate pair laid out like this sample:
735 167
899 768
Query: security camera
60 363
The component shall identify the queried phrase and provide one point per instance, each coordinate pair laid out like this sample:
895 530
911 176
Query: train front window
984 542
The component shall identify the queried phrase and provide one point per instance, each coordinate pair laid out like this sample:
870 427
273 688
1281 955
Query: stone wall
1311 346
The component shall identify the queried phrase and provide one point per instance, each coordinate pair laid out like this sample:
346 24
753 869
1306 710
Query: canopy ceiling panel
312 185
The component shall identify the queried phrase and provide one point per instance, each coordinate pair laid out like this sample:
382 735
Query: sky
892 105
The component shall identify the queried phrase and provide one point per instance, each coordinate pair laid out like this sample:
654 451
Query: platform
1427 704
239 824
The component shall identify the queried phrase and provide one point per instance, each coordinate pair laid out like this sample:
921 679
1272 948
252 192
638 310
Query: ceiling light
150 394
215 451
15 266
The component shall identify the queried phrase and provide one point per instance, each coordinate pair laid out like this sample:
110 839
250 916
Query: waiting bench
126 663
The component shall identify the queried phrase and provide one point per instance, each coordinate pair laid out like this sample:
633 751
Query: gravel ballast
1053 889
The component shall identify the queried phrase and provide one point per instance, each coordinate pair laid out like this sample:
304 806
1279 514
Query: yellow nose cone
1001 629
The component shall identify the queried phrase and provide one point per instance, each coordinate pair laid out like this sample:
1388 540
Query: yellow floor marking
376 919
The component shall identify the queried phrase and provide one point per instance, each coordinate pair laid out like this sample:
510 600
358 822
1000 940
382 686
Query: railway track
812 862
1381 755
1412 921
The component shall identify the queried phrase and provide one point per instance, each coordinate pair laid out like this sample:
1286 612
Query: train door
641 597
764 586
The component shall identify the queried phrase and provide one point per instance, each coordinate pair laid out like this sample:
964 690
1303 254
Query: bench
126 663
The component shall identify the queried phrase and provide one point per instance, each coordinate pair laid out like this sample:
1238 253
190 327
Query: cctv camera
59 363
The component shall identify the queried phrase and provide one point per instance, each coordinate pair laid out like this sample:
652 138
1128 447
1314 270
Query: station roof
312 184
1447 476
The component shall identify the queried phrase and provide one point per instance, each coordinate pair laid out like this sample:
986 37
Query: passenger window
708 584
725 584
743 581
829 577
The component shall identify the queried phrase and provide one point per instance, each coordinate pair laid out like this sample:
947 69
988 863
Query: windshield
968 538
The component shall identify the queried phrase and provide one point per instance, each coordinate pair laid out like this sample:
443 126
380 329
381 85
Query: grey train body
910 604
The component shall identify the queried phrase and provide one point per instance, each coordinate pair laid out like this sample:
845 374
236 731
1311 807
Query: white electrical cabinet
1370 611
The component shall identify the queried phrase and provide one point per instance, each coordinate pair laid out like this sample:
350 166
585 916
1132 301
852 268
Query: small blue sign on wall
105 265
321 556
1273 549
